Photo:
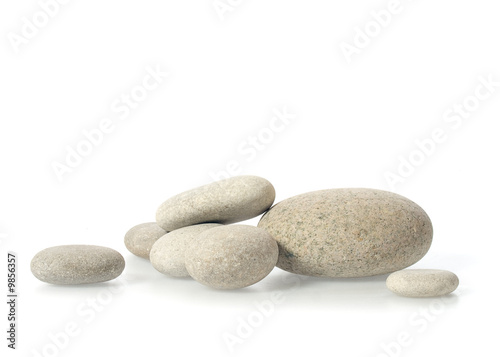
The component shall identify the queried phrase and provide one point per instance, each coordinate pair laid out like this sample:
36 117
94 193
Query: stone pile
334 233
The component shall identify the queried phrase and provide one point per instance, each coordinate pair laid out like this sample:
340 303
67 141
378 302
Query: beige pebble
77 264
348 232
140 239
168 253
231 257
422 282
227 201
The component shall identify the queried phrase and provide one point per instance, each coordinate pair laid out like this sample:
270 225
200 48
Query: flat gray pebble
77 264
227 201
140 239
231 257
348 232
422 282
168 253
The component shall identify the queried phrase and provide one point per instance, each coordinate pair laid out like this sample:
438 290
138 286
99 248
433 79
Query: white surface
352 121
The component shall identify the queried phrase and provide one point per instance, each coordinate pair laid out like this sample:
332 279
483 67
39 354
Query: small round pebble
231 257
227 201
140 239
422 282
168 253
77 264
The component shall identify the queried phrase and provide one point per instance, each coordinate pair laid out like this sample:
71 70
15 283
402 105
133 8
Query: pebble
140 239
168 253
348 232
231 257
77 264
422 282
227 201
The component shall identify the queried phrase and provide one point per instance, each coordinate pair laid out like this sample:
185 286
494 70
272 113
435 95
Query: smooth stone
168 253
231 257
349 232
77 264
422 282
140 239
227 201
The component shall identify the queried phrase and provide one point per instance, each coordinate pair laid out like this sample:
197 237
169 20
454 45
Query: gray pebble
348 232
139 239
77 264
168 253
231 257
227 201
422 282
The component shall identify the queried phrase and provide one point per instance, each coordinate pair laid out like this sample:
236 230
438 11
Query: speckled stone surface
77 264
140 239
348 232
231 257
168 253
422 282
227 201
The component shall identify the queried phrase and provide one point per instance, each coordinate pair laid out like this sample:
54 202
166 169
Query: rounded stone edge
132 233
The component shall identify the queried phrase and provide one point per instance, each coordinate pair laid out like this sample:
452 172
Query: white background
353 123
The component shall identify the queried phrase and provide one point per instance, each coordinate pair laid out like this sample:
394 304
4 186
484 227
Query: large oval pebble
348 232
231 257
227 201
140 239
77 264
168 253
422 282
